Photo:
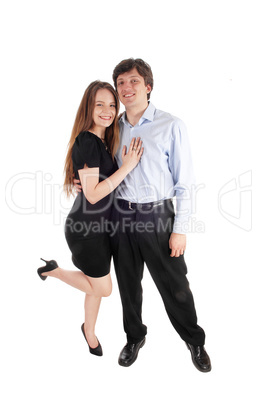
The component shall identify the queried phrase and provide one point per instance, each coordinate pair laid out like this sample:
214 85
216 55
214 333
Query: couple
106 154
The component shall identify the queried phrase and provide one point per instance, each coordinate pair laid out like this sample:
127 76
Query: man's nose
126 85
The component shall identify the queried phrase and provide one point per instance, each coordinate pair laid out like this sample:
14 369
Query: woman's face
104 110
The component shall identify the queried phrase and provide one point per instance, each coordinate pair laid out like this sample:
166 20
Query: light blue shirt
165 169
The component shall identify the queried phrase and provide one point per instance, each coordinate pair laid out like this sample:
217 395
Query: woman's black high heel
50 266
95 351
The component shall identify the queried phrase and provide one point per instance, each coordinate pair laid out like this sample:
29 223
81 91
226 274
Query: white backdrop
203 57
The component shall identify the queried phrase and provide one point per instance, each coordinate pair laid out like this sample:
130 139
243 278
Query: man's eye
120 83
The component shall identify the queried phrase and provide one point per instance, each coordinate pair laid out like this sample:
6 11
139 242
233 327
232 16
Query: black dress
86 226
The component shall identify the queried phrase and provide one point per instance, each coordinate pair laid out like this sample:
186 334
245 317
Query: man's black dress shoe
129 353
200 358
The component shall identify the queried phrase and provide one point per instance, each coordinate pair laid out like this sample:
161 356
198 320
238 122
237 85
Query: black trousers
141 235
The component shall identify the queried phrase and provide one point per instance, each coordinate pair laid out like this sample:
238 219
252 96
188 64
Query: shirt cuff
181 227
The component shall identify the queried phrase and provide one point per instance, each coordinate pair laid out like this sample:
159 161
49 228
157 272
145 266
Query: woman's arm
89 177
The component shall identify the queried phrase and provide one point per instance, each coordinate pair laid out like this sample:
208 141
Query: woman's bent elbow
92 200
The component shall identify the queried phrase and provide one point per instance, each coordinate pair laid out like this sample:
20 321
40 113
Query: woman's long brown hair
84 121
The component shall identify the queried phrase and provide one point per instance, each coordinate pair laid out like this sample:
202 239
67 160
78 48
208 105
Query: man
148 229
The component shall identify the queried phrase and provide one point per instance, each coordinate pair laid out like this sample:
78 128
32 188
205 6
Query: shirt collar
148 115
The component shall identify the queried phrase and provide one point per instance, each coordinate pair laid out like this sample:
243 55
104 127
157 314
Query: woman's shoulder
87 140
86 150
86 136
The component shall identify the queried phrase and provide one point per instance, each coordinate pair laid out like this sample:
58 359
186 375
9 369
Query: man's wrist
180 234
181 226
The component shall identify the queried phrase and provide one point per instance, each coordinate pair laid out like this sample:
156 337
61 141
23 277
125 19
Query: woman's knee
103 289
106 290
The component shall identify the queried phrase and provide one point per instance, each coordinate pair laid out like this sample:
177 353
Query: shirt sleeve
181 167
86 151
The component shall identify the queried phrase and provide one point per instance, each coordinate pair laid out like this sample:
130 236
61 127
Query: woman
93 143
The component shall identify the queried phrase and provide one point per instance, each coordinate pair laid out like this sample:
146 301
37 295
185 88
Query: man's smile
128 95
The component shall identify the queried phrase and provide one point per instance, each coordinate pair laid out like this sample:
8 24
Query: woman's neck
98 131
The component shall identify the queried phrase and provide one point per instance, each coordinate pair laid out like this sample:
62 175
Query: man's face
132 90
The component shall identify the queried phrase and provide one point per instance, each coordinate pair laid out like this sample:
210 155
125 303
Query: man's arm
180 163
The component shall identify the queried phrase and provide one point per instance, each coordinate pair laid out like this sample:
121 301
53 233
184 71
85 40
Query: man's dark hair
142 67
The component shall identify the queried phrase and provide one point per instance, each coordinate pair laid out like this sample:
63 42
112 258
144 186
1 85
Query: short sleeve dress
87 225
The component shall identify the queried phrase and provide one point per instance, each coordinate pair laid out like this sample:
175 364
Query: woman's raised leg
73 278
101 287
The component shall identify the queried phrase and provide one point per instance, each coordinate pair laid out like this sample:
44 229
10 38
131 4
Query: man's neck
134 114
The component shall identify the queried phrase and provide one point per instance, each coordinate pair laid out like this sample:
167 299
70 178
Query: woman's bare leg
73 278
92 304
101 287
95 289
